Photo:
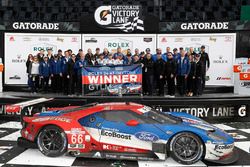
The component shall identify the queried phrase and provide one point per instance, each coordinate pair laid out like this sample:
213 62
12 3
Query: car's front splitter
227 159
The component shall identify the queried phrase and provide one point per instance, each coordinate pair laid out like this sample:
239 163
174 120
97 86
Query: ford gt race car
125 131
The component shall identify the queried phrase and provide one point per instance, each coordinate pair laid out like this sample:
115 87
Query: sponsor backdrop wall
19 45
220 47
125 41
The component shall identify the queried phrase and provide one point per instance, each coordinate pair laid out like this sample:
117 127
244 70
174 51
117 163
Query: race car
125 131
124 88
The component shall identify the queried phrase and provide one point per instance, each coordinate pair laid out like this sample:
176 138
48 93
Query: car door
116 131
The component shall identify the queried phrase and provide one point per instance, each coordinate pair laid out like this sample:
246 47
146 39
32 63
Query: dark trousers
56 83
34 83
160 85
150 83
45 84
182 84
144 84
190 84
171 85
79 85
65 84
198 86
72 84
203 82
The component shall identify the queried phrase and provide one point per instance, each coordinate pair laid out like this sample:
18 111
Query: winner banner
112 80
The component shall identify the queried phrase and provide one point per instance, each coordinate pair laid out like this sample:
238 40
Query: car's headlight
215 136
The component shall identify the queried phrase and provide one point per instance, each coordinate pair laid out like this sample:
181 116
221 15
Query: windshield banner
112 80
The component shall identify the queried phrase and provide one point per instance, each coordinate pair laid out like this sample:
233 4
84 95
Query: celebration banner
112 80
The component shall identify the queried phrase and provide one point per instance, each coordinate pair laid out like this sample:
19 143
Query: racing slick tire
52 141
186 148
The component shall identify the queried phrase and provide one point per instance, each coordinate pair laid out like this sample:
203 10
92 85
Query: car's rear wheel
52 141
186 148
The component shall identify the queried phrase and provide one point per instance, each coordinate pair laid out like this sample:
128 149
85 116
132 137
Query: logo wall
127 18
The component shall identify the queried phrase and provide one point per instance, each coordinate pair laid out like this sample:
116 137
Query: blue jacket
78 68
163 56
44 69
64 65
176 56
183 68
56 67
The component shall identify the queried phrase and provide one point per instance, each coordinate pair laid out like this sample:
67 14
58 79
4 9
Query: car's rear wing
19 106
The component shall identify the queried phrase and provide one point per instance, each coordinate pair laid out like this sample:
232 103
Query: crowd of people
177 68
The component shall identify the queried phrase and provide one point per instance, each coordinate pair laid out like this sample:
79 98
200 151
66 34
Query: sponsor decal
128 157
60 39
145 109
130 150
220 60
91 40
195 39
15 77
18 59
163 39
35 26
77 139
223 78
87 138
97 155
77 131
44 46
61 119
115 135
127 18
228 38
245 84
147 39
146 136
74 39
178 39
26 39
113 44
237 68
244 76
213 39
205 26
43 39
11 39
224 147
112 156
72 145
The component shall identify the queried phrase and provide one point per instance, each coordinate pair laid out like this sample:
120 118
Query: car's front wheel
186 148
52 141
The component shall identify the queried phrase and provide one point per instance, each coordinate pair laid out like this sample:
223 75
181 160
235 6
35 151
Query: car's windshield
162 118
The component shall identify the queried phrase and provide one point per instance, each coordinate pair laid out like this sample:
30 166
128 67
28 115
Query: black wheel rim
52 140
186 148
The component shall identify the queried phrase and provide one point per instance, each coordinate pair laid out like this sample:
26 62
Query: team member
105 53
144 83
70 52
56 74
158 52
128 58
87 56
28 62
149 73
206 64
34 74
101 60
40 55
78 54
198 75
191 51
109 61
50 55
119 53
59 54
176 55
165 55
159 69
136 59
93 61
44 71
119 60
137 52
78 66
72 75
170 71
191 76
183 69
97 53
65 79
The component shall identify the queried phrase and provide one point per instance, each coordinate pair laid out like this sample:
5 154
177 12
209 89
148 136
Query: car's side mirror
132 122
